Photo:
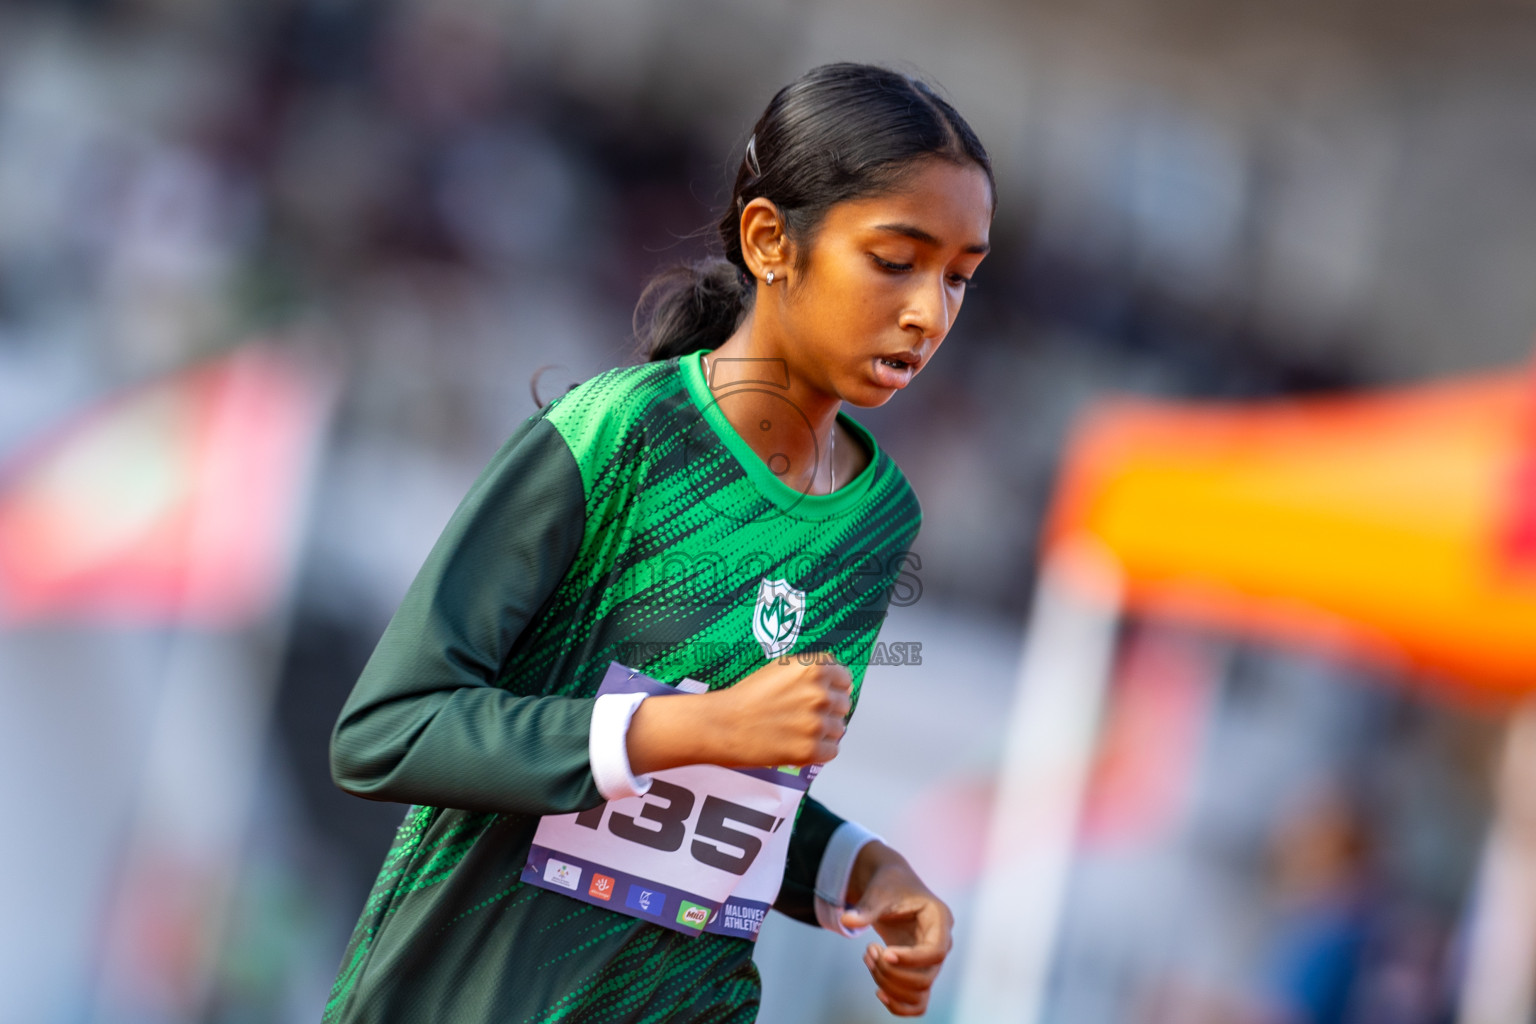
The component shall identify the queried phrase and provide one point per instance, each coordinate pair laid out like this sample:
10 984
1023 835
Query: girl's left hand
916 925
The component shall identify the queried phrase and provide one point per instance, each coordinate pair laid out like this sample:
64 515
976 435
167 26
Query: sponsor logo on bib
693 915
558 872
602 886
647 901
776 619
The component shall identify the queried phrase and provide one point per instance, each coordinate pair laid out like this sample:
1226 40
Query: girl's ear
764 242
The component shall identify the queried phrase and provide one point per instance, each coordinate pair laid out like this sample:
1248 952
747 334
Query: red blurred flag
174 503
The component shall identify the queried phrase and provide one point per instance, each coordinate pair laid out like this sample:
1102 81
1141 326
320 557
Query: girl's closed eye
896 267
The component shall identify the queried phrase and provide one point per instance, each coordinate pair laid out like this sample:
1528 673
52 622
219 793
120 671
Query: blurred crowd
385 182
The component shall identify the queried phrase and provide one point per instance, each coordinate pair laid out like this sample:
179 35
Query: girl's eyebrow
916 233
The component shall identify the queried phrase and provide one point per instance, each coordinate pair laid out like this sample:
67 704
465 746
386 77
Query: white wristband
833 874
608 746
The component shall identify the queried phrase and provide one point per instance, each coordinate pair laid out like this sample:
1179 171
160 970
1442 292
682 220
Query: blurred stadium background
277 278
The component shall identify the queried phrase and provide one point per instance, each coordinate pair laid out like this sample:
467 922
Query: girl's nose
928 310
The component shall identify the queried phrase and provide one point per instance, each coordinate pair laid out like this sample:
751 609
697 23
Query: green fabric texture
624 522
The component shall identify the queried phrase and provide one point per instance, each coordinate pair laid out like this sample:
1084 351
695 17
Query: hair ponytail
689 307
838 132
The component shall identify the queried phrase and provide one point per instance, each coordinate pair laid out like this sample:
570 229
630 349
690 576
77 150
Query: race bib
703 851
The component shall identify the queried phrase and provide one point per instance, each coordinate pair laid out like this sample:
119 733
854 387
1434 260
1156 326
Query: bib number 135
664 826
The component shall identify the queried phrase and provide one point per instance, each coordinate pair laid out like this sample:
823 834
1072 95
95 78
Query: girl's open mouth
893 371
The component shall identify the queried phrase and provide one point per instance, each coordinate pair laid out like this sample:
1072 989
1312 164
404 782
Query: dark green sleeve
424 724
813 830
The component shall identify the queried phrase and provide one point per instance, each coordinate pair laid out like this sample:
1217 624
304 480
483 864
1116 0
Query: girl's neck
786 421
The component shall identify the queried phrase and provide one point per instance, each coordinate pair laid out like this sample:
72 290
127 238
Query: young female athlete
708 515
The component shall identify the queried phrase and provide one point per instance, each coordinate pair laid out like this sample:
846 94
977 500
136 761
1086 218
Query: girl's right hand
785 713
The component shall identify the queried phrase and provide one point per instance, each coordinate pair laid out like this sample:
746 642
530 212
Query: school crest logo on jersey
777 617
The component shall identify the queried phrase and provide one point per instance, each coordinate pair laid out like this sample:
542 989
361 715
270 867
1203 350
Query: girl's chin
867 396
876 383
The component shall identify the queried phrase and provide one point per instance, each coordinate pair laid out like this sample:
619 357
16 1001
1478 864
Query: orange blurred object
1401 524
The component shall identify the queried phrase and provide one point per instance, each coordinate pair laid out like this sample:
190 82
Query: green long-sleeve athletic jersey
627 521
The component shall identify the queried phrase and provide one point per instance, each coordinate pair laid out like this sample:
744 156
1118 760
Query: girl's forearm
668 732
783 713
874 856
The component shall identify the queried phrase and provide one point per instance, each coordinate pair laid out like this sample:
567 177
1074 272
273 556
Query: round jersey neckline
783 496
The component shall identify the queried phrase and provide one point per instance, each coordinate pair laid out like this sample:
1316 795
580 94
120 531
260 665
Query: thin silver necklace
831 434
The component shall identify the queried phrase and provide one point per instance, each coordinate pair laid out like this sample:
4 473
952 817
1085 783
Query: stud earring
769 277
